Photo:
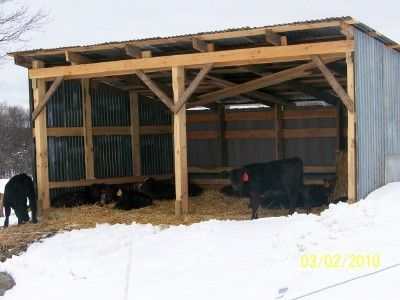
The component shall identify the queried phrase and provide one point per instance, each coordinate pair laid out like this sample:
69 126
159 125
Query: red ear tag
245 176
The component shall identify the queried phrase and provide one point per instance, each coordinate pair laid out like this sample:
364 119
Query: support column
180 147
278 132
135 134
87 129
42 160
351 133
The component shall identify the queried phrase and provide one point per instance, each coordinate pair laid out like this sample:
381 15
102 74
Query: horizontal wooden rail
321 113
116 180
307 169
206 181
200 134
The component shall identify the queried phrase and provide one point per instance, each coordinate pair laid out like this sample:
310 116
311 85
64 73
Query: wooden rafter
155 89
218 58
133 51
42 104
192 87
273 38
333 82
76 58
347 30
258 83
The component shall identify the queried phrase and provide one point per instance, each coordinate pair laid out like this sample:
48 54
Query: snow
3 182
219 259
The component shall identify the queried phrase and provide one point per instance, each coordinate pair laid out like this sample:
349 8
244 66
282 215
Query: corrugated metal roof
344 18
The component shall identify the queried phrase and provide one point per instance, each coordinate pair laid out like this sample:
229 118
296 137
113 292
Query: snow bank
219 259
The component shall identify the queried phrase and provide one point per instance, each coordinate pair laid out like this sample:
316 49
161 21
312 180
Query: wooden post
180 148
222 139
135 134
42 160
278 132
351 133
87 128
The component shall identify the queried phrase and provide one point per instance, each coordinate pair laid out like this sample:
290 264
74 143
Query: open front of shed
120 112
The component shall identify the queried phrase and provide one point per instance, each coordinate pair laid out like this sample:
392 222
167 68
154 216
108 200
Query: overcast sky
79 22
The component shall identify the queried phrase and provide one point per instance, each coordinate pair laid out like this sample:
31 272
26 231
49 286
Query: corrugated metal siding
64 109
66 158
153 116
112 156
156 154
378 114
313 151
109 108
392 115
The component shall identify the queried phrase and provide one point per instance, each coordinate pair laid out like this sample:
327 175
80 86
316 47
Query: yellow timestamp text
340 261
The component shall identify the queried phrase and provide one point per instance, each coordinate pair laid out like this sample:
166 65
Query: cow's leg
305 193
292 195
255 200
7 209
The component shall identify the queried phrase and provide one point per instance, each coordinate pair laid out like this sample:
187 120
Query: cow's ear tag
245 176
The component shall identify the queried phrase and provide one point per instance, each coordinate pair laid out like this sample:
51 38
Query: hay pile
339 184
210 205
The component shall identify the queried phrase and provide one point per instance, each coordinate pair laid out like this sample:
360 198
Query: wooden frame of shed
263 65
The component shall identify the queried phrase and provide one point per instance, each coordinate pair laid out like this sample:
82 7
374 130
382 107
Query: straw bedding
210 205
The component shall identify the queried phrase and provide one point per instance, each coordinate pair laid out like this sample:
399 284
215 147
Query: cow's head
239 178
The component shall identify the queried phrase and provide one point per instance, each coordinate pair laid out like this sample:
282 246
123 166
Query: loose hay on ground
210 205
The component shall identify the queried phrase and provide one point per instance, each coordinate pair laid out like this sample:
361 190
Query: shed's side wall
377 77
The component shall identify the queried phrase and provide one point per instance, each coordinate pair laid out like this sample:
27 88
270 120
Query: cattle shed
190 106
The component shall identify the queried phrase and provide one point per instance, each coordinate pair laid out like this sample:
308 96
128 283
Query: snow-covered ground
220 259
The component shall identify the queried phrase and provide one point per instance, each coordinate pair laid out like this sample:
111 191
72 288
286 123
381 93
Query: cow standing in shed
16 192
262 179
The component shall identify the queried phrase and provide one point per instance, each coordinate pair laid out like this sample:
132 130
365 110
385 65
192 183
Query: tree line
16 148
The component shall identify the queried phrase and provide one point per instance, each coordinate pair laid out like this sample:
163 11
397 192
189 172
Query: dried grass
210 205
340 183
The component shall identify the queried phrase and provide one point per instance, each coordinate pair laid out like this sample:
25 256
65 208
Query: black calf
165 190
127 200
17 190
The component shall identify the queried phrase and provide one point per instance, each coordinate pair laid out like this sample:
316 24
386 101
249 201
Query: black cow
165 190
17 190
127 200
260 178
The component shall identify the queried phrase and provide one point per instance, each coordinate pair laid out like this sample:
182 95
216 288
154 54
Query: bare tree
16 21
15 141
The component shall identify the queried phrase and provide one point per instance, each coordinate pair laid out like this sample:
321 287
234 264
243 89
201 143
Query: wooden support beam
42 160
180 144
223 147
192 87
1 205
218 58
133 51
155 89
268 80
43 102
76 58
333 82
199 45
278 132
146 54
351 133
135 133
87 128
347 30
272 37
